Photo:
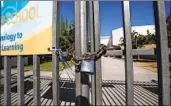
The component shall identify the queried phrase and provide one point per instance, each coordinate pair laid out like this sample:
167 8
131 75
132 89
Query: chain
87 56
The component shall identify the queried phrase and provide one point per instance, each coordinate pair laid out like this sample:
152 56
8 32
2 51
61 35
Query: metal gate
162 53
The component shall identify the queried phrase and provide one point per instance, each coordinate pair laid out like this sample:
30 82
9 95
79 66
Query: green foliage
138 40
67 32
149 38
47 66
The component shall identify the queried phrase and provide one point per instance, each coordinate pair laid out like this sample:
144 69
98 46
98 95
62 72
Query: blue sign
11 7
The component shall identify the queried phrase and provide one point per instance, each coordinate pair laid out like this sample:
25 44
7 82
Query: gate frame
162 57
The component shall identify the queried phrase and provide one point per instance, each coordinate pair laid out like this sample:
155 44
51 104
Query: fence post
7 81
78 50
84 36
0 63
20 82
97 47
129 80
36 79
162 53
83 25
55 58
92 45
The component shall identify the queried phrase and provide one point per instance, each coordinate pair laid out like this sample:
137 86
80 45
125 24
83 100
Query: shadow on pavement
67 91
152 89
84 101
28 85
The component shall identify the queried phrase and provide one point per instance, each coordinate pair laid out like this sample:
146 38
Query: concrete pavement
113 74
112 69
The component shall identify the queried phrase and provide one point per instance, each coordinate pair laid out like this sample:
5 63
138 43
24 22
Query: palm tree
121 40
134 36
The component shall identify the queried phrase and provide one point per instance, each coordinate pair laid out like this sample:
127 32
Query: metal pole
83 25
128 55
92 41
162 53
169 47
84 76
36 79
78 51
20 82
55 58
170 15
92 37
97 47
0 58
7 81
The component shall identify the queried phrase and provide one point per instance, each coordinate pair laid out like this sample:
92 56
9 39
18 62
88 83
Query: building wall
118 33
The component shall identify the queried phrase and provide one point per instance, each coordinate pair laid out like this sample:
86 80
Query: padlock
87 66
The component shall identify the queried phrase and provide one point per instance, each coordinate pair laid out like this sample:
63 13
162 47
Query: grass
46 66
149 65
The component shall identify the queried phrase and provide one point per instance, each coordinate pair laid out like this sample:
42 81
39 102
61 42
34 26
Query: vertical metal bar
92 26
20 82
97 47
0 57
55 58
169 48
77 49
128 54
7 81
84 76
36 79
162 53
83 19
170 10
92 41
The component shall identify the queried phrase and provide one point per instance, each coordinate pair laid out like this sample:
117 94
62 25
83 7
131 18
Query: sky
111 14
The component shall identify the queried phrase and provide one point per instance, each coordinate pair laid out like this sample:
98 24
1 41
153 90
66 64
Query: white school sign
26 27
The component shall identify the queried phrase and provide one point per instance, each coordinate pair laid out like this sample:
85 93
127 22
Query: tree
139 40
150 39
67 32
134 36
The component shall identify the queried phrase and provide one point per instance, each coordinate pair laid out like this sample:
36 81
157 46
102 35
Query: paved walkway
113 87
113 92
112 69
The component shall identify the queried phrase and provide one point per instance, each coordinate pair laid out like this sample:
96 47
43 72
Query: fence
162 52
